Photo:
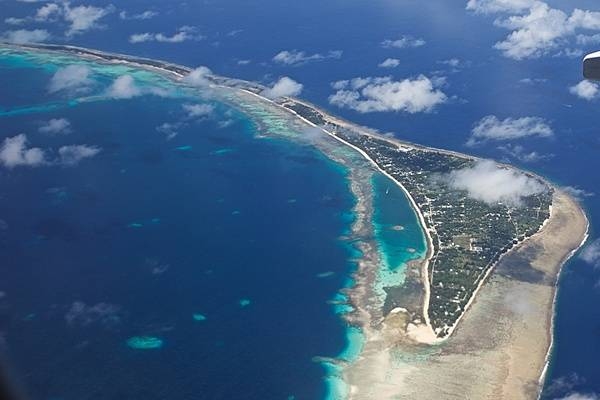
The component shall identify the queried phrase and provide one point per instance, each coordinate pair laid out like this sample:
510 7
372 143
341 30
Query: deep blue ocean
213 253
150 233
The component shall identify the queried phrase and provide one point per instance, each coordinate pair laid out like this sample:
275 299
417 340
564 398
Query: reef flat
479 253
501 348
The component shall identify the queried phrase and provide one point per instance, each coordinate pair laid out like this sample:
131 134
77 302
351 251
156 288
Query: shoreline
541 381
548 356
425 262
499 350
359 292
425 230
417 334
413 204
416 210
176 70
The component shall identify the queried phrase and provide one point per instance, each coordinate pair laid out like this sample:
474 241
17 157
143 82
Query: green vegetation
469 236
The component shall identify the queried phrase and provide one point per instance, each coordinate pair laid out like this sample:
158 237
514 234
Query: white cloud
533 81
588 40
586 90
170 129
487 182
453 62
492 128
576 192
14 152
183 34
80 314
284 87
148 14
80 18
48 12
519 152
198 110
580 396
83 18
403 42
389 63
585 19
75 78
234 32
494 6
14 21
536 28
295 57
21 36
198 77
519 301
339 85
591 253
225 123
564 385
141 37
175 38
533 34
569 52
56 126
384 94
123 87
73 154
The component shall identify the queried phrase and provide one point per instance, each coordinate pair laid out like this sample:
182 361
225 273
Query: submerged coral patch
144 342
244 302
199 317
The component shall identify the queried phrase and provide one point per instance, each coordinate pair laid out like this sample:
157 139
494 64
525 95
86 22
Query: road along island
472 318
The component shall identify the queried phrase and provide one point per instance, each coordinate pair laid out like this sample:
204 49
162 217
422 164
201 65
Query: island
473 317
466 237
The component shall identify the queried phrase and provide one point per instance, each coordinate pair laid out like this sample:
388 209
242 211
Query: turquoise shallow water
189 211
337 389
397 230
